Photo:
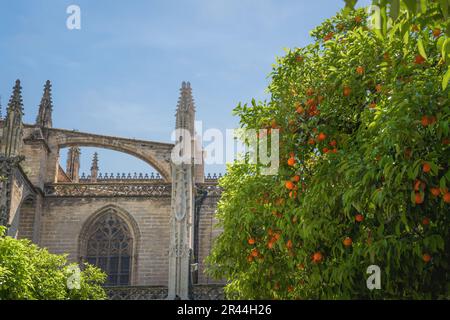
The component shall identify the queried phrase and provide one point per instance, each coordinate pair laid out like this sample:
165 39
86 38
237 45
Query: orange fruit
347 242
296 178
426 167
426 257
255 252
378 88
424 121
435 192
347 91
359 218
373 105
420 185
446 197
426 221
360 70
291 162
436 32
325 150
311 141
293 194
333 143
322 136
446 141
251 241
289 185
317 257
310 92
300 110
289 244
418 198
250 258
419 59
328 36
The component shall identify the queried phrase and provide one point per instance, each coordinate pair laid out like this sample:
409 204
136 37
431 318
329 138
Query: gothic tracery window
109 246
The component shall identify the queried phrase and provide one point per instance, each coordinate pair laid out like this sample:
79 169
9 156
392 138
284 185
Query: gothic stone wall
207 233
63 219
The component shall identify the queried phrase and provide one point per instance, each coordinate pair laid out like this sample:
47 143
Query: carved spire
73 164
185 116
12 130
44 117
94 168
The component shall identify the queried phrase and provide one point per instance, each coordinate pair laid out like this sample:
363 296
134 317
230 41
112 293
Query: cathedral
149 233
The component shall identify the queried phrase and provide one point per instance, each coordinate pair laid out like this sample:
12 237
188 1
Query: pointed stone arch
124 230
156 154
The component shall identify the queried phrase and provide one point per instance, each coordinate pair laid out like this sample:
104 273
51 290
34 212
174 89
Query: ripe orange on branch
289 185
347 91
322 136
426 167
435 191
347 242
418 198
436 32
359 218
419 59
317 257
446 197
360 70
291 162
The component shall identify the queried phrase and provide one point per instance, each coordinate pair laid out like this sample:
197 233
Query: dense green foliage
364 175
29 272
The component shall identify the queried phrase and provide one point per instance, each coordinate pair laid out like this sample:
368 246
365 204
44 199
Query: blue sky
121 73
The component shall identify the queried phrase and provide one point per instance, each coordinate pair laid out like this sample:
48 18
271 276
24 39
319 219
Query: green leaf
444 7
395 9
421 48
446 79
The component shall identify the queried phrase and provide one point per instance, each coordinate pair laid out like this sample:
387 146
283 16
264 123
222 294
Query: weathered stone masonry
132 226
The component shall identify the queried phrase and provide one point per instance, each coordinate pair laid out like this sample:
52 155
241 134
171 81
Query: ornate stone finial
13 128
16 102
185 115
94 168
73 164
44 117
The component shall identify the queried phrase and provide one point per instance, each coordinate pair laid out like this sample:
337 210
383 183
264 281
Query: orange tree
364 171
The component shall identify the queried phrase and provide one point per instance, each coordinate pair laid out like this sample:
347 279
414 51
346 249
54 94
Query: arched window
109 245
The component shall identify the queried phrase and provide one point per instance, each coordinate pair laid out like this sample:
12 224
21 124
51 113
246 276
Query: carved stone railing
199 292
213 177
212 188
122 177
208 292
136 293
108 189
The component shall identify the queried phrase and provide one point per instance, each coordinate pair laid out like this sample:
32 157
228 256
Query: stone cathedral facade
150 234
